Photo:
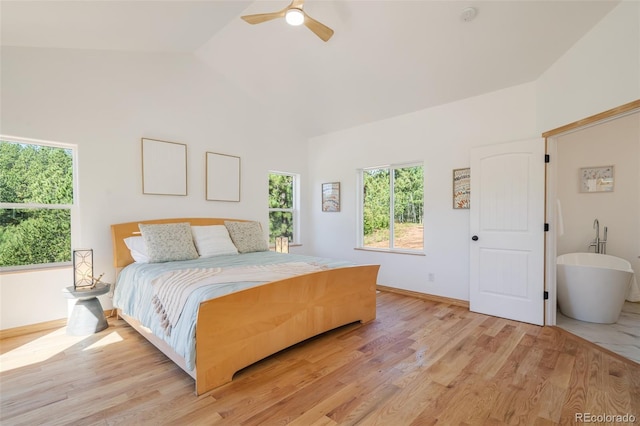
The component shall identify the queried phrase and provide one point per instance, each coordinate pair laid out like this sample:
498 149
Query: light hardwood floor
418 363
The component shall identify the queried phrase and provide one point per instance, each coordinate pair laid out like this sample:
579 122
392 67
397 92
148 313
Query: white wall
601 71
615 143
440 137
104 102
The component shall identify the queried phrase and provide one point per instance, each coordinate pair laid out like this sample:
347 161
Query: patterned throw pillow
168 242
247 236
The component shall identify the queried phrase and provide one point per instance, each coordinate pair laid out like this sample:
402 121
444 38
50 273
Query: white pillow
168 242
138 249
213 240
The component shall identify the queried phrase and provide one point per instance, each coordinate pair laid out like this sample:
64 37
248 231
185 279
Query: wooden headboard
122 256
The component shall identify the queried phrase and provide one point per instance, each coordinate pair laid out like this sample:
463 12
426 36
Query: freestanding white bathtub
592 287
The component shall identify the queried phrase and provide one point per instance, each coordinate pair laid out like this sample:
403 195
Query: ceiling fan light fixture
294 16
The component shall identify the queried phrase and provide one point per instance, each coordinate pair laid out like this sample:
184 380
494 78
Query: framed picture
461 188
331 197
164 167
222 177
596 179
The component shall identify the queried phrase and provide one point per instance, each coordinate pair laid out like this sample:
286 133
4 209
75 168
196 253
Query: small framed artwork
596 179
461 188
222 177
164 167
331 197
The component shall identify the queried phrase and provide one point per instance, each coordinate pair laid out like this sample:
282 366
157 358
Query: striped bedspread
173 288
134 291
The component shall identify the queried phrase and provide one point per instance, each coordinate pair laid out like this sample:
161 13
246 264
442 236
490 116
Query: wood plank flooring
418 363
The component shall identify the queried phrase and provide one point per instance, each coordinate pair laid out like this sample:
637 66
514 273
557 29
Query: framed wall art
596 179
461 188
164 167
222 177
331 197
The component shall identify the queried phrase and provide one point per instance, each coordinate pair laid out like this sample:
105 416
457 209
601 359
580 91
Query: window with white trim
392 207
283 206
36 203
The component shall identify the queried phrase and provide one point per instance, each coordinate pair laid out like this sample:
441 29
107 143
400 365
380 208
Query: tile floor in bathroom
622 337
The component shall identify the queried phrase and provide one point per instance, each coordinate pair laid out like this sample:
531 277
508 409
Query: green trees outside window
36 197
281 206
393 207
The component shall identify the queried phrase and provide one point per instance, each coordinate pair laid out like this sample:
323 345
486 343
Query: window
392 207
283 210
36 202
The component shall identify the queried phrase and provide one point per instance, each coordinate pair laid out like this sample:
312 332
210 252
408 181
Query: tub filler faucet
599 245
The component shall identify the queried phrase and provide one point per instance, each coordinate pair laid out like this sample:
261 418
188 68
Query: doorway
591 143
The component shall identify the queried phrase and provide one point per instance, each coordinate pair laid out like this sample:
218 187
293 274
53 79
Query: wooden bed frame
238 329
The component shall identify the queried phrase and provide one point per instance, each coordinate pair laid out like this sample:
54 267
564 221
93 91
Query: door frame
551 147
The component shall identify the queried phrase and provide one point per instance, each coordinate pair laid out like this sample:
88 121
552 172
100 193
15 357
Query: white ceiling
386 57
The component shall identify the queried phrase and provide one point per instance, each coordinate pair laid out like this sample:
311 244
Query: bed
234 330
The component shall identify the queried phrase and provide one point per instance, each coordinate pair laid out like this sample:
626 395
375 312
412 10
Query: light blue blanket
134 292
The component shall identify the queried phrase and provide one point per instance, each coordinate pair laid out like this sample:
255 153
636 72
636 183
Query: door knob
474 238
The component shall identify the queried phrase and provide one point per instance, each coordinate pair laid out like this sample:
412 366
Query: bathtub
592 287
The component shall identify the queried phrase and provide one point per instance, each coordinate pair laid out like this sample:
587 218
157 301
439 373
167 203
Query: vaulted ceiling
386 58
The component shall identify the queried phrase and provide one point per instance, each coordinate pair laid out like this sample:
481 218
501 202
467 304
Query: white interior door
507 230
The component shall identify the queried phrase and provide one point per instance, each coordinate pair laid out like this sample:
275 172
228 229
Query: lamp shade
82 268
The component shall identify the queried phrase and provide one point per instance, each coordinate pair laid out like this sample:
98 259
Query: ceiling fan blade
264 17
319 29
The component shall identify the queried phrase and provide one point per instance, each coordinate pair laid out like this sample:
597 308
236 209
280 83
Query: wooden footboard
239 329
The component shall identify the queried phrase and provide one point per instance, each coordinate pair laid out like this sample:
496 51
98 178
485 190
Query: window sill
273 248
394 251
33 268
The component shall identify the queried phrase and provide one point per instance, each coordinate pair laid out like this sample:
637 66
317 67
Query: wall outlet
431 277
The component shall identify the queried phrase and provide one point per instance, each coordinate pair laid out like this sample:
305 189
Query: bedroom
105 101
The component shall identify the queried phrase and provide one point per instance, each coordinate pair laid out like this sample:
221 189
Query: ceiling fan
294 15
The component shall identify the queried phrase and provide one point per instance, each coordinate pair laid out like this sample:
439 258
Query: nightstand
87 316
